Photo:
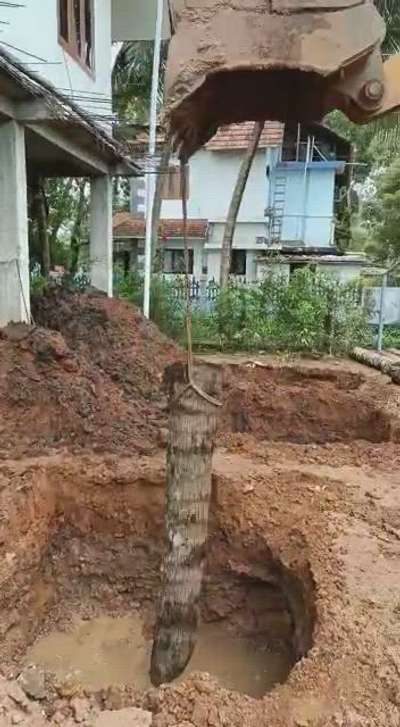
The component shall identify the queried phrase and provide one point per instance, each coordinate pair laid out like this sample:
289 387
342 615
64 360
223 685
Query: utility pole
150 176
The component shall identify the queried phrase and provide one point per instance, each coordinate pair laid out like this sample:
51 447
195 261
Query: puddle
110 651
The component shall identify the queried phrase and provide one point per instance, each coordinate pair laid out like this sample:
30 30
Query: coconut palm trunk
192 429
237 196
157 203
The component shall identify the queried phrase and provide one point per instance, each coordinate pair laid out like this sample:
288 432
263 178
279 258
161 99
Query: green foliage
391 337
132 76
384 213
166 310
38 281
343 234
309 313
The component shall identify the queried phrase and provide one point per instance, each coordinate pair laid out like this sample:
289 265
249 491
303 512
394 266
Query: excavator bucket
283 60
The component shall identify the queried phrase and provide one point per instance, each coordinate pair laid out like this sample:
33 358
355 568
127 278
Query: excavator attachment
284 60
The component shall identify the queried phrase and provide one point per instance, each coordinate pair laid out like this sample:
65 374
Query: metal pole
382 312
150 178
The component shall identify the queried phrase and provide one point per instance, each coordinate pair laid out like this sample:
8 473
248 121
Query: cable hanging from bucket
188 316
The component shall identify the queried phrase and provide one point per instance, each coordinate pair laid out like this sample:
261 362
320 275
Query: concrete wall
391 304
345 272
34 28
308 210
212 179
245 237
263 270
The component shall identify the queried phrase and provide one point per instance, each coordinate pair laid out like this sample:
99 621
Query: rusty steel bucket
240 60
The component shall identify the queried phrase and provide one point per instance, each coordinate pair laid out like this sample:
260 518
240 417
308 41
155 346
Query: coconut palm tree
132 78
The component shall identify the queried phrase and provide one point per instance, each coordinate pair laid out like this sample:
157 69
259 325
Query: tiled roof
127 225
237 136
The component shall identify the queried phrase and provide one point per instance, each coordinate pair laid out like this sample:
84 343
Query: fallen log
378 361
192 429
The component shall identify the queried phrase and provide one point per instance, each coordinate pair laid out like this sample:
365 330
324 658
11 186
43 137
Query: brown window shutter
171 188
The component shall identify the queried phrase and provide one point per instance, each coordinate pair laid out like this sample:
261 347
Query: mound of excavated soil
88 376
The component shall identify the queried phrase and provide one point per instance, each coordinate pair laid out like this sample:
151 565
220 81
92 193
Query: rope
191 383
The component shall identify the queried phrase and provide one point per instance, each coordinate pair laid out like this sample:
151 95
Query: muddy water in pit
110 651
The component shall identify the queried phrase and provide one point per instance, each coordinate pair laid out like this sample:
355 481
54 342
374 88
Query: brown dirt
304 530
89 378
93 381
301 405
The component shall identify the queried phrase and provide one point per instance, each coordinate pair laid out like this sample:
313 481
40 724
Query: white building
56 61
287 216
69 42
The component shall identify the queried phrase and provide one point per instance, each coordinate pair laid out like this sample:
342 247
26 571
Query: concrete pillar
14 249
101 235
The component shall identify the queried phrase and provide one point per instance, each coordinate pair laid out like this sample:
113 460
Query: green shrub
310 312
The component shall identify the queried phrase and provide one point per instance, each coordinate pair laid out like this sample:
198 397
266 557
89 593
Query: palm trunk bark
157 203
192 429
236 201
388 365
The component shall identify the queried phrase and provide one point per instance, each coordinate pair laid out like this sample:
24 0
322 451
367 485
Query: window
238 262
75 28
174 261
172 185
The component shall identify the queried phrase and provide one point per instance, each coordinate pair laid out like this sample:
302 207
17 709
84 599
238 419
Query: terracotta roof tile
236 136
127 225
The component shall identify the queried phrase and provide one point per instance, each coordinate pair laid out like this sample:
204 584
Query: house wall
212 178
264 269
245 237
34 28
213 262
308 209
344 271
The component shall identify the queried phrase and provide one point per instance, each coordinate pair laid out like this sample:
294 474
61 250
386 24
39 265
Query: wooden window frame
71 45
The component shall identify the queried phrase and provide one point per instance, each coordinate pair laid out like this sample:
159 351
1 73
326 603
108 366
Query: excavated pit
80 577
301 405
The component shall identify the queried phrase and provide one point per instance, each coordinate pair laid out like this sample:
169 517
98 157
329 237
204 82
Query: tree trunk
388 366
40 213
192 429
77 230
59 216
236 201
157 203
